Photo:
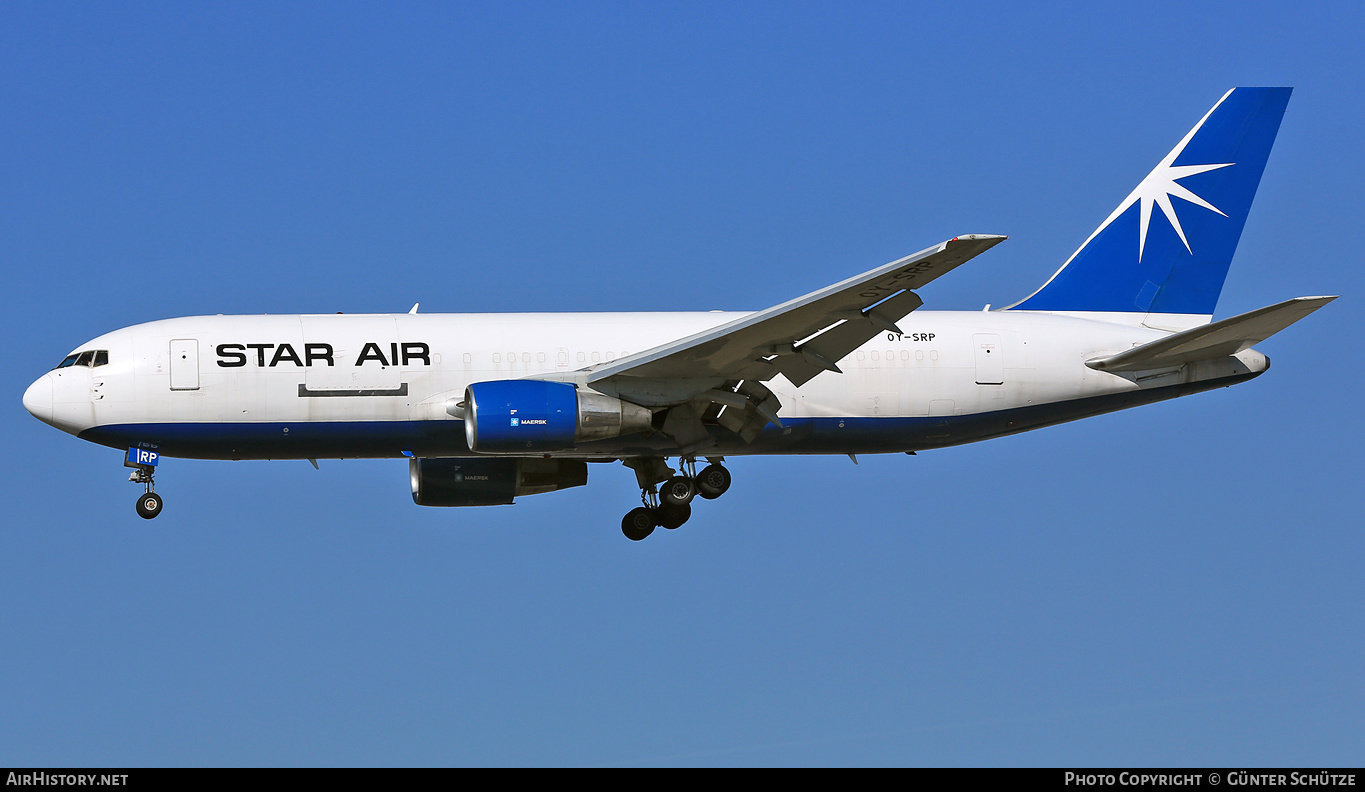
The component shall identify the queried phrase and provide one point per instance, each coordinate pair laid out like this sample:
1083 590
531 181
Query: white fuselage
378 385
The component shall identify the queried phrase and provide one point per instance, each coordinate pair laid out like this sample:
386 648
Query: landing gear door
351 354
185 364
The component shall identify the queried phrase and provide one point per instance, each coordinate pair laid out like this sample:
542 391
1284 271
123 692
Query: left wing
784 338
799 339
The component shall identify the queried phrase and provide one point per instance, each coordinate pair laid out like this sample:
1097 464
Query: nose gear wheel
149 503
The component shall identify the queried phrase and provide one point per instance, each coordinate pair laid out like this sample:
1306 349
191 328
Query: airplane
490 407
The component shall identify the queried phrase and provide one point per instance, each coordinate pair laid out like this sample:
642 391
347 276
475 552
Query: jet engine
534 416
485 481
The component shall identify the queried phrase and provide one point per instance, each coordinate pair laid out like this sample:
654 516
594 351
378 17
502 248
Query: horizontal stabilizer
1220 339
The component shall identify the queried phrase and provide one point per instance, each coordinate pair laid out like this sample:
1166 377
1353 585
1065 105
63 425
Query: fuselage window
497 358
540 357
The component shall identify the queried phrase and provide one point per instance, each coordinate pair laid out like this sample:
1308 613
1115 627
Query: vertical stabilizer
1166 249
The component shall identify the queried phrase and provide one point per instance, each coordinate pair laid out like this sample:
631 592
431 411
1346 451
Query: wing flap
1222 338
839 341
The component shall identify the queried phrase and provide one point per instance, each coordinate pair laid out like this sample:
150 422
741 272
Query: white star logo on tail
1158 188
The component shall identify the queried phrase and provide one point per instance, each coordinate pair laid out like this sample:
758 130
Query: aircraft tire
672 517
678 491
638 523
713 481
149 505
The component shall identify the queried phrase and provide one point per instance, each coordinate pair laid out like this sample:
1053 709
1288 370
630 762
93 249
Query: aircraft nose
38 399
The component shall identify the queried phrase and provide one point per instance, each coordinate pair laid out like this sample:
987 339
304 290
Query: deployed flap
763 344
1227 337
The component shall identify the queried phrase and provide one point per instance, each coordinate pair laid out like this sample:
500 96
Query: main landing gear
149 503
670 505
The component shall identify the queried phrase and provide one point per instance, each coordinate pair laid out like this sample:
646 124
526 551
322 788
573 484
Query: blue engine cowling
520 416
490 481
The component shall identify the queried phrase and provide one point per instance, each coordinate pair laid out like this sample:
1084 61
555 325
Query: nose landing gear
143 464
669 506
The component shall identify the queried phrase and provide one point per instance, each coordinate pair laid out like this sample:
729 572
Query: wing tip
981 242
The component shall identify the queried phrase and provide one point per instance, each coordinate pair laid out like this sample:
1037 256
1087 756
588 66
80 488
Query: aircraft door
185 364
990 360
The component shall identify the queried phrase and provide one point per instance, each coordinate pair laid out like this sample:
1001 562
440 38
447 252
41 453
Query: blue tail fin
1167 248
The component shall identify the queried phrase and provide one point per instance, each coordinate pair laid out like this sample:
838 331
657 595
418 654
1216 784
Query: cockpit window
89 358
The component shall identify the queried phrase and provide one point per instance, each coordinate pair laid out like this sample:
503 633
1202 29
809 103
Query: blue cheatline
1203 190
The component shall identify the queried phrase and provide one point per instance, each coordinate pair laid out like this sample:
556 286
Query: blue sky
1173 585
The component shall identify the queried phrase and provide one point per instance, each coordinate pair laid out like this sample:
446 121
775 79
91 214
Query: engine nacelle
485 481
535 416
